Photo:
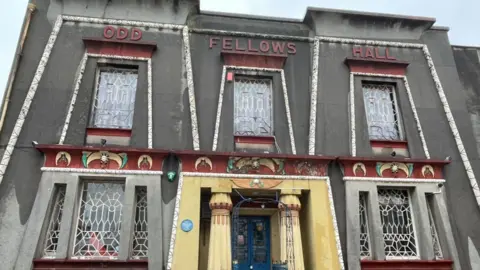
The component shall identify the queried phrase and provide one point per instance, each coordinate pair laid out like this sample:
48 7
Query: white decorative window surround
53 230
253 110
140 227
353 147
397 223
99 220
383 116
78 81
114 100
221 96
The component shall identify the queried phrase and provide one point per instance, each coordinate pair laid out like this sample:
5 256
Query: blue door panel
253 243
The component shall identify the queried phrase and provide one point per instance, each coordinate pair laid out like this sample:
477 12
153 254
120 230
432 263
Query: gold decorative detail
105 157
428 170
247 165
395 167
203 161
359 166
256 183
145 160
63 157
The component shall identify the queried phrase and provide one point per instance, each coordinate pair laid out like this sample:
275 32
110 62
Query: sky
459 15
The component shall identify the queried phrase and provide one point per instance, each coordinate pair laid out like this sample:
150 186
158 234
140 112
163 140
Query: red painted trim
118 149
406 264
119 47
392 67
249 59
386 159
255 139
90 264
110 132
392 144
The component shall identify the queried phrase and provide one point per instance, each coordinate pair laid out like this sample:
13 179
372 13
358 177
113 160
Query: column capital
220 201
292 201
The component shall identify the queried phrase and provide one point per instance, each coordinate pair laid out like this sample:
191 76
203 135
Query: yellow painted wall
318 236
321 244
185 254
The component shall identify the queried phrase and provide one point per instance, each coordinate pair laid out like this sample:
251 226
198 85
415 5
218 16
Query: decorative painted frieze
100 158
392 168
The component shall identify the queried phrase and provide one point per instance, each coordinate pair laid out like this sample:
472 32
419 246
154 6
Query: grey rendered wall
207 86
464 212
19 186
171 119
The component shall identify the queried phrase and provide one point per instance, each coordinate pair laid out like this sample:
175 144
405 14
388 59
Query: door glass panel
242 241
259 245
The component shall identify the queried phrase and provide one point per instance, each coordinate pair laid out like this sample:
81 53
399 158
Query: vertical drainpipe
16 60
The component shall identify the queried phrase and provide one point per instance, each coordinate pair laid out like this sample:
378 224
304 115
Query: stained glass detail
437 249
53 230
140 234
381 111
253 114
115 98
99 220
364 233
397 223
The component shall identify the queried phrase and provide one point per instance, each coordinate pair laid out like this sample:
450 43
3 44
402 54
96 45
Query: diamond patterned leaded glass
364 234
253 107
437 249
397 223
381 111
99 220
53 231
115 98
140 234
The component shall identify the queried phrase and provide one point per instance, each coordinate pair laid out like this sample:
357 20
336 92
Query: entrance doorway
252 243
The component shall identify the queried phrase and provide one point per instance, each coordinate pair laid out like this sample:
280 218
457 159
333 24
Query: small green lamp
171 176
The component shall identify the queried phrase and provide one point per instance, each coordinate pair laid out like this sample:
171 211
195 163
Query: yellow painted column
220 250
291 237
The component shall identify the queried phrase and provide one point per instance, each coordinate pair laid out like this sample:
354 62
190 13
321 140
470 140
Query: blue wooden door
253 243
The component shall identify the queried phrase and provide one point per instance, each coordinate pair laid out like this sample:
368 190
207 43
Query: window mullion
67 224
377 248
422 224
128 217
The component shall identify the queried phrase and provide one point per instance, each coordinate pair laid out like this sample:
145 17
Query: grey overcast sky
459 15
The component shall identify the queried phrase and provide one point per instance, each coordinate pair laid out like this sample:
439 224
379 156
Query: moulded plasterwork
191 90
78 82
100 171
410 98
250 34
176 213
392 180
313 99
335 225
122 22
221 94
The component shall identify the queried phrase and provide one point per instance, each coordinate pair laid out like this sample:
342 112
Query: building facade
151 135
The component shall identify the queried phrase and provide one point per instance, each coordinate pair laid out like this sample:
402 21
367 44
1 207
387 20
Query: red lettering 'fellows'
278 47
213 42
264 46
292 49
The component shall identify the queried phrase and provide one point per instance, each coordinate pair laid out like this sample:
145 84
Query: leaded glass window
99 220
382 112
53 230
364 232
397 223
140 234
114 102
437 249
253 114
